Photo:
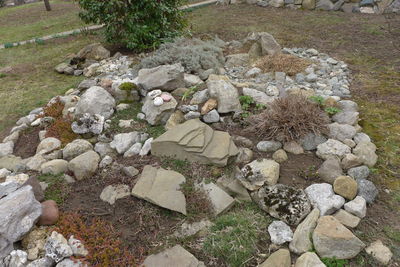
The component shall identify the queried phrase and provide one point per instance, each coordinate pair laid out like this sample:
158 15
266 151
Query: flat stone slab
220 200
162 188
175 256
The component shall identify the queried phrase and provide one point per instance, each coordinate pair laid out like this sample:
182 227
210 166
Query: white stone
357 206
280 232
113 192
323 197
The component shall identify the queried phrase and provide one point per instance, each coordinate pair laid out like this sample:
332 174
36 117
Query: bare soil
27 143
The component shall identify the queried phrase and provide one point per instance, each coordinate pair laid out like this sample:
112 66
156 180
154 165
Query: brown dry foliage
289 118
289 64
61 129
54 110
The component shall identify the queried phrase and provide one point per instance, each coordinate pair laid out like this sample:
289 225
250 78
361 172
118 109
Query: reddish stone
166 97
50 213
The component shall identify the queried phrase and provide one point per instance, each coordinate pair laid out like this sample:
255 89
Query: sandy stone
279 258
346 187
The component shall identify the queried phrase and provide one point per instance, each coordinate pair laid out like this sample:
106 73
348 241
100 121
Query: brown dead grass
289 64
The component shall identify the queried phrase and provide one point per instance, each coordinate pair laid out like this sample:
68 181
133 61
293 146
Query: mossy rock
128 86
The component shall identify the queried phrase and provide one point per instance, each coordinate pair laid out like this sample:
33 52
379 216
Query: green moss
334 262
57 189
128 86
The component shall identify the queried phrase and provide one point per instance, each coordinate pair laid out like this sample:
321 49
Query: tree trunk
47 5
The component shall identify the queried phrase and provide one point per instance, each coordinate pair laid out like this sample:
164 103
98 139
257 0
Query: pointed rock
301 238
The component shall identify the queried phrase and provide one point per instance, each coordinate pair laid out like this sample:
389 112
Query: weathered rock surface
7 188
309 259
365 151
48 145
268 146
164 77
258 173
280 156
88 123
311 141
96 100
283 202
94 52
57 247
78 249
225 93
175 256
122 142
6 148
280 232
196 142
279 258
219 199
55 166
380 252
332 239
84 165
346 218
187 229
330 170
346 187
301 242
233 187
76 148
367 190
113 192
323 197
357 206
332 148
161 187
158 114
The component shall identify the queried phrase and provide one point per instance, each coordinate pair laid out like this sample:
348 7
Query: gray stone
133 150
233 187
111 193
280 156
346 218
191 80
258 96
34 163
283 202
325 5
196 228
357 206
19 212
156 115
242 141
279 258
122 142
280 232
104 149
225 93
57 248
357 173
311 77
12 137
192 115
330 170
341 132
346 117
219 199
11 162
96 100
293 147
379 252
308 4
269 46
245 155
55 167
367 190
361 137
4 173
365 151
88 123
106 161
164 77
200 97
211 117
332 148
93 51
42 262
6 148
76 148
175 256
301 242
277 3
86 84
146 148
268 146
258 173
309 259
48 145
350 161
78 249
237 60
130 171
7 188
20 178
84 165
348 105
196 142
161 187
323 197
332 240
17 258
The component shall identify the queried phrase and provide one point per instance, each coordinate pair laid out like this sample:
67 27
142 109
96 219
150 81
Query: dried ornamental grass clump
289 118
289 64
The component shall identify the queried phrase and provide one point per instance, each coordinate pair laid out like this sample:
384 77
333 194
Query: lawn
32 20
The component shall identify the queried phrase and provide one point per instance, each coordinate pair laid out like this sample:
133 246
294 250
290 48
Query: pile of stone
359 6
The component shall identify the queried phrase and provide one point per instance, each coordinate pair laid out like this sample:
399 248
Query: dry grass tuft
289 64
289 118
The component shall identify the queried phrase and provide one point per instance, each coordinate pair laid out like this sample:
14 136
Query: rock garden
201 153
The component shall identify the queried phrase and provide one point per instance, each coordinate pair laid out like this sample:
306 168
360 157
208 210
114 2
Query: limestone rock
122 142
280 156
57 247
6 148
346 187
11 162
158 114
18 178
17 258
161 187
219 199
280 232
245 155
4 173
76 148
346 218
42 262
88 123
380 252
84 165
279 258
164 77
311 141
71 263
258 173
301 242
330 170
341 132
346 117
237 60
34 242
48 145
332 148
96 100
258 96
175 119
268 146
323 197
357 206
196 142
55 166
146 148
175 256
309 259
225 93
7 188
104 149
233 187
78 249
93 52
112 193
350 161
365 151
35 162
283 202
331 239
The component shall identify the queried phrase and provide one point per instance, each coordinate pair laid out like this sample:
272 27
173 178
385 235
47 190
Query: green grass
57 188
32 20
334 262
392 233
33 81
234 236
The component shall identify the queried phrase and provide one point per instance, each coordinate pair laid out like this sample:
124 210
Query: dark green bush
136 24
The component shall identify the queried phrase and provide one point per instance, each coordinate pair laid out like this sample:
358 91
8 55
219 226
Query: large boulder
161 187
84 165
158 114
265 41
258 173
227 96
332 240
283 202
95 100
164 77
19 212
76 148
196 142
93 52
